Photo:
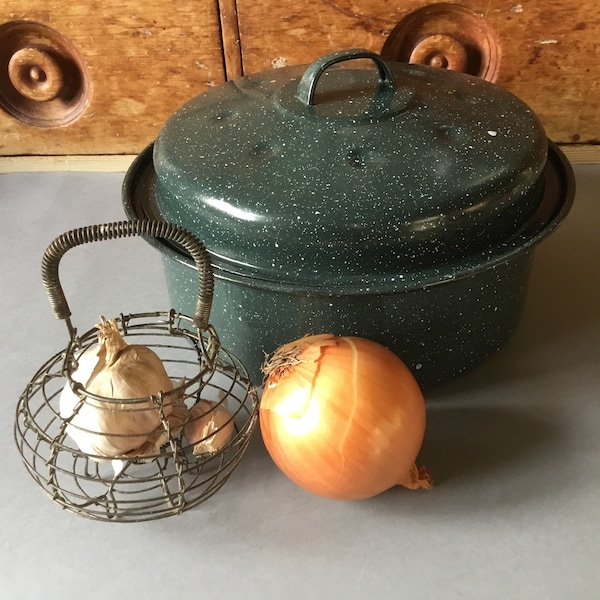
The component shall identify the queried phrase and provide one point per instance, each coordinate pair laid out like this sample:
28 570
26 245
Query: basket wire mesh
173 478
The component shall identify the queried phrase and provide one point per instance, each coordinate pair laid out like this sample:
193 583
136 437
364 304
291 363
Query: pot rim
140 183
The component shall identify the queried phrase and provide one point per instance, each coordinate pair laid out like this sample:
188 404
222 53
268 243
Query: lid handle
308 84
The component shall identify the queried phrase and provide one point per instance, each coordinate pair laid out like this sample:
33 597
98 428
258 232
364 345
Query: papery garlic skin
210 426
118 371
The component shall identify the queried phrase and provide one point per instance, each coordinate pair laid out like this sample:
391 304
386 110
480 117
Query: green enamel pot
397 202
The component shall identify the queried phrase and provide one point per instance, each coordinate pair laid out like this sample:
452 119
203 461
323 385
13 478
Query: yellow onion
343 417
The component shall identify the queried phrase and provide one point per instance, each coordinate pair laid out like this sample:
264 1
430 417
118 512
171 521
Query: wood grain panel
549 49
577 154
145 59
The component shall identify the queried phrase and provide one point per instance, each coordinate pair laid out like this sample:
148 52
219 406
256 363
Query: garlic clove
118 371
82 425
178 414
209 427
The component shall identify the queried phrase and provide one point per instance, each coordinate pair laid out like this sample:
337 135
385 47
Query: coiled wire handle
94 233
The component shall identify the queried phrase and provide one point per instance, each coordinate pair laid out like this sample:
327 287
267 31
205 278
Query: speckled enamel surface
411 222
440 324
448 166
439 331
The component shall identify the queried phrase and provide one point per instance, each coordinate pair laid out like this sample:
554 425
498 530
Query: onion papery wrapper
343 417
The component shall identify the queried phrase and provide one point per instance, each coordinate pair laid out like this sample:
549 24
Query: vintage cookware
394 201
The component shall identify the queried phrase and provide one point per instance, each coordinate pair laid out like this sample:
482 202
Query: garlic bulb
116 370
209 427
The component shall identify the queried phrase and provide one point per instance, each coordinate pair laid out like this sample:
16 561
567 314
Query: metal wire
168 483
94 233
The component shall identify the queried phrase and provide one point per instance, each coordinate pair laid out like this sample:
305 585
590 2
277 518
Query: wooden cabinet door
139 61
547 52
136 61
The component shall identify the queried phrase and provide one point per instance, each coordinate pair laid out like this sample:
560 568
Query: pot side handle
308 83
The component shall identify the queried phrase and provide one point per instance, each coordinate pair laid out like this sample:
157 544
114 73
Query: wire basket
178 471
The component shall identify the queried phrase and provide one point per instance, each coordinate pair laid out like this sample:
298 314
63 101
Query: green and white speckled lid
317 173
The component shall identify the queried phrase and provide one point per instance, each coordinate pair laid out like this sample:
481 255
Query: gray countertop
514 447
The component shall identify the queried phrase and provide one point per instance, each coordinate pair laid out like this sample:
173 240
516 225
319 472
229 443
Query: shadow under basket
177 475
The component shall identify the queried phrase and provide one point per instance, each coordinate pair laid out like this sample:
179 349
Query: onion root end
418 478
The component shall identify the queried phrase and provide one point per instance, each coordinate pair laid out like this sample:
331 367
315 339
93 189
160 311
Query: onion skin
343 417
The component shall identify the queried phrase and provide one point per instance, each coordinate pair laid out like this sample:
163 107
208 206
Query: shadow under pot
401 203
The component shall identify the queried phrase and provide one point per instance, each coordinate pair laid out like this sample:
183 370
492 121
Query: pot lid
312 172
